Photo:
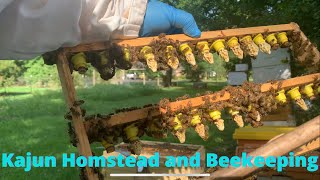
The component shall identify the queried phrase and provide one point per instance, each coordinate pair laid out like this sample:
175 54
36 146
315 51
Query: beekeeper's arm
29 28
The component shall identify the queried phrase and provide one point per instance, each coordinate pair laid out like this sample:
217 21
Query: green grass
34 122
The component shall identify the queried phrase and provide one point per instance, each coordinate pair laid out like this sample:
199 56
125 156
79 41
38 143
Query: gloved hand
163 18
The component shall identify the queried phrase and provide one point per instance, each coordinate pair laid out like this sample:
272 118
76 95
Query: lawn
34 122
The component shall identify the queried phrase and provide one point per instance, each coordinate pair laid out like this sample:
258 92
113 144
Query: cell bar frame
124 117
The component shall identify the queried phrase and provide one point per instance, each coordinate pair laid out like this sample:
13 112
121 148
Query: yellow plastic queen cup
203 47
196 119
281 97
187 51
215 115
283 39
233 42
218 45
294 93
178 125
79 62
308 90
126 54
149 58
131 132
258 39
271 39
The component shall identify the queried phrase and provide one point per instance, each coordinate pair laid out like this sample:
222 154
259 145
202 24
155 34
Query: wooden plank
209 35
278 147
83 144
198 101
97 46
297 81
134 115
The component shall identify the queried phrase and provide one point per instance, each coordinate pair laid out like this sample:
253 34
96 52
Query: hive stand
69 91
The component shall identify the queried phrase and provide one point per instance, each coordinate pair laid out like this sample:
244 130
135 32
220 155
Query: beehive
164 149
249 138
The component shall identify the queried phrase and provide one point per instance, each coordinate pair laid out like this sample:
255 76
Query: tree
37 71
221 14
167 78
197 73
194 73
8 72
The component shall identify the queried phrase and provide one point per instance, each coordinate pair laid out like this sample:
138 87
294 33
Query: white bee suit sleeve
29 28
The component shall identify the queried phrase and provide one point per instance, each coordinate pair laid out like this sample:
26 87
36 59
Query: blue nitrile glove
163 18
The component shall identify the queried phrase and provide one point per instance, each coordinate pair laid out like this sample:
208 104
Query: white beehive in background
274 66
237 78
242 67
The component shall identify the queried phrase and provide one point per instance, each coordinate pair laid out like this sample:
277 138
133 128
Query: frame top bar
209 35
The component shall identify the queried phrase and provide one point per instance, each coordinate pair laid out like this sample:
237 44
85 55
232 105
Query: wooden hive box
164 149
281 117
249 138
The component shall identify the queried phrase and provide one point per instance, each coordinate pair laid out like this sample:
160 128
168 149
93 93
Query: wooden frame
208 36
154 111
124 117
69 92
198 101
